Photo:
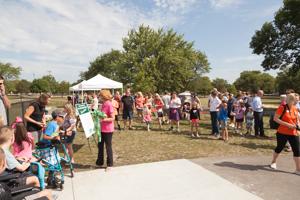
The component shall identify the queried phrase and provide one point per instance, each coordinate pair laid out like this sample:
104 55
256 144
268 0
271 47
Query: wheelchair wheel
61 186
72 173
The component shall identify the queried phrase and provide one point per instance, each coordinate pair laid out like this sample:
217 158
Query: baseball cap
58 112
166 91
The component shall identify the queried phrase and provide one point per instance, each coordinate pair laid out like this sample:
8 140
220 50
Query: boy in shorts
249 121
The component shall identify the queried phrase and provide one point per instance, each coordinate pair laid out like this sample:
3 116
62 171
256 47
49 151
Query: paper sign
86 119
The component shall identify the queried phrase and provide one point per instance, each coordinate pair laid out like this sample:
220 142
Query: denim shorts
148 123
70 139
127 114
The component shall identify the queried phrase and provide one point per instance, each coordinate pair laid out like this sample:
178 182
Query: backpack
273 124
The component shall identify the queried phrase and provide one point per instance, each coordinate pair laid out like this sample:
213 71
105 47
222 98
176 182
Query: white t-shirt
214 103
95 106
174 105
166 100
210 98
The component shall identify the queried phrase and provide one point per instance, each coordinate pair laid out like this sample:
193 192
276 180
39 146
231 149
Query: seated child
24 141
5 191
185 112
52 132
6 140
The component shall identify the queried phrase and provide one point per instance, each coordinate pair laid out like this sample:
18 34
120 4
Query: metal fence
17 109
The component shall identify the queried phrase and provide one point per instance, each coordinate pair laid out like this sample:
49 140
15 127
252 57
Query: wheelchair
40 148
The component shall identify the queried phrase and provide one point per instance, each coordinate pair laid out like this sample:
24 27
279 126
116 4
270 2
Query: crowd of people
168 109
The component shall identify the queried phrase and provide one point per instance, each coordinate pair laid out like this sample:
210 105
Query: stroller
186 110
40 146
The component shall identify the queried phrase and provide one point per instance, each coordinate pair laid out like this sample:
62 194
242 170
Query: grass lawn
140 146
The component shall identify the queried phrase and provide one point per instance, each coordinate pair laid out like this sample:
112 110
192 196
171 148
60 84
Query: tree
201 85
9 74
22 87
220 84
63 88
288 79
54 84
233 90
267 83
152 60
278 41
39 85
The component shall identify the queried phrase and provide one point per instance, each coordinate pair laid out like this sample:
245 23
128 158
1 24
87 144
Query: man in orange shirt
115 104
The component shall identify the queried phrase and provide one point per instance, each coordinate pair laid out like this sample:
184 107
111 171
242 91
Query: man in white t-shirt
214 112
210 97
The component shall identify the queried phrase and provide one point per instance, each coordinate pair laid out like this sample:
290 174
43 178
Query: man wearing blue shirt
258 109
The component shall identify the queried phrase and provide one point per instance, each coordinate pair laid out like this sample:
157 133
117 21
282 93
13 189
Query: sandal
108 169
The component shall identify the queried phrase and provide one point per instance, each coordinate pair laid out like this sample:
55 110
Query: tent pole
72 99
82 95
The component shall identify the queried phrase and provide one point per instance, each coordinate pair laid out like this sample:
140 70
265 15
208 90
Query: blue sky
64 36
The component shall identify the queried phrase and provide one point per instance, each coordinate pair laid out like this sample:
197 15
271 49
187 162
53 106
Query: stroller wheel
72 173
61 186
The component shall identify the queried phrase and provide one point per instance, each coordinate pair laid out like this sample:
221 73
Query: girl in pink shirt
147 119
23 144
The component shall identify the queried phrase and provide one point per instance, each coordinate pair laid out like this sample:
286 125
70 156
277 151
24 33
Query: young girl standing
223 120
24 142
159 112
147 118
240 111
70 128
194 117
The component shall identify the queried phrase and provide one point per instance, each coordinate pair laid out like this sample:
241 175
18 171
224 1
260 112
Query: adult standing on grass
139 101
118 99
230 109
107 129
166 99
94 105
159 109
4 101
70 127
35 116
127 108
258 109
174 106
288 130
214 112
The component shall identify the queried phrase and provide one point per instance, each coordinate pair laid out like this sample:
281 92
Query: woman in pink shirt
107 129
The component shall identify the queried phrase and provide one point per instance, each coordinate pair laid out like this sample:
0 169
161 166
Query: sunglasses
62 117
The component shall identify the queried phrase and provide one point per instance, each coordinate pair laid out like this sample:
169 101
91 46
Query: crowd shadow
247 167
254 146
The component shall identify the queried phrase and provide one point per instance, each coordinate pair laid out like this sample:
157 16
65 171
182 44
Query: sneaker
130 128
273 166
192 135
178 130
235 131
241 134
54 196
171 129
197 135
167 122
119 129
218 135
297 172
163 122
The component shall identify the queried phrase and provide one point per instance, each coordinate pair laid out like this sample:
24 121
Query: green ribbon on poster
97 125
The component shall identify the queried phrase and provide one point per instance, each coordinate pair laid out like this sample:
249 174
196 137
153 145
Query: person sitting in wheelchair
52 132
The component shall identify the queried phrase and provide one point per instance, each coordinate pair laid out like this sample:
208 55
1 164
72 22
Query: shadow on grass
247 167
251 145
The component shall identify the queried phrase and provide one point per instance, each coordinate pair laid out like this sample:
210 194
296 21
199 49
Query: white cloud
224 4
74 31
182 6
242 58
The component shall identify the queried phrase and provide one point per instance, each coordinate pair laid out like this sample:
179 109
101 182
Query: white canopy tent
98 82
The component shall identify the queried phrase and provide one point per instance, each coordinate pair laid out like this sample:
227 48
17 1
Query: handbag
273 124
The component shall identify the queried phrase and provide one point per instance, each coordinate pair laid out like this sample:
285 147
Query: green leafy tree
9 74
39 85
53 83
152 60
201 85
288 79
22 87
278 40
267 83
220 84
233 90
64 87
249 81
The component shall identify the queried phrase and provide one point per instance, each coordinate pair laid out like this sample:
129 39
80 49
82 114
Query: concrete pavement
175 179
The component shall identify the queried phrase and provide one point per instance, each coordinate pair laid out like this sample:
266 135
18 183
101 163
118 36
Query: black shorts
240 120
116 118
